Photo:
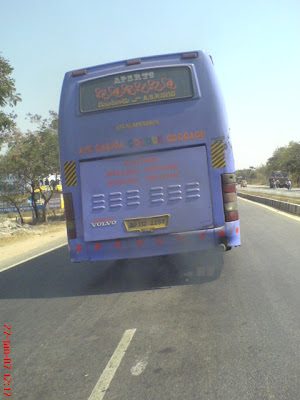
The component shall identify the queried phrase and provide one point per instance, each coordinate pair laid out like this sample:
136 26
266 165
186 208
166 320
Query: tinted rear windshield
280 174
136 87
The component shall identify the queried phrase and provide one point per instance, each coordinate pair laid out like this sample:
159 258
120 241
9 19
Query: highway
142 330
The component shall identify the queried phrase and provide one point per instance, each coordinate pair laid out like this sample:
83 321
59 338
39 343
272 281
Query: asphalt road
236 338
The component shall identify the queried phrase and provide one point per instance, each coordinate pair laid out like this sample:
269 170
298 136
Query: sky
255 46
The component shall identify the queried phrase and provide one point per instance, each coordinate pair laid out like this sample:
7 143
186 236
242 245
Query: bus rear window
136 87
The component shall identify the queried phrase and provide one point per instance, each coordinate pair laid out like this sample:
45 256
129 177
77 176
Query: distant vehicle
46 188
50 180
146 158
280 178
239 179
244 183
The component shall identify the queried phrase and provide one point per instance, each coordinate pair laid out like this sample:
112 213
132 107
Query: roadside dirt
16 239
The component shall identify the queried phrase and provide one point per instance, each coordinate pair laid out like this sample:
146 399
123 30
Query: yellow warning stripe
217 154
70 173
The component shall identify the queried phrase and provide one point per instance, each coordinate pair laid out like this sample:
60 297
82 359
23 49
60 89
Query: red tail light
229 197
229 187
231 216
70 218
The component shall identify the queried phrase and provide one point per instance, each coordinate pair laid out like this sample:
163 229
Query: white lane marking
31 258
272 209
113 364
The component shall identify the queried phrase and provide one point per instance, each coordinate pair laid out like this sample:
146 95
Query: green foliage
11 215
13 194
285 158
34 156
8 97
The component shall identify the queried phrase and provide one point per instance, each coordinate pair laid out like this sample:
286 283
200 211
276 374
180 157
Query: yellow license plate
147 223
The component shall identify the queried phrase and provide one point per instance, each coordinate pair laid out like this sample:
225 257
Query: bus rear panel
146 157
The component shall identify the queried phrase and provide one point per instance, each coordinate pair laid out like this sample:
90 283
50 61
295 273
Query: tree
292 161
32 157
8 97
286 159
13 194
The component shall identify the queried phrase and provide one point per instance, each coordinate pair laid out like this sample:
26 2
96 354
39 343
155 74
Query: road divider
279 205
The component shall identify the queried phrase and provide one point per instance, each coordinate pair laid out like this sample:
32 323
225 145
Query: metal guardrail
279 205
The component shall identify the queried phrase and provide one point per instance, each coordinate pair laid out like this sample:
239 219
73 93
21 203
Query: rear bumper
156 245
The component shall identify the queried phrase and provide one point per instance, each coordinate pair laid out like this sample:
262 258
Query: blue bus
146 159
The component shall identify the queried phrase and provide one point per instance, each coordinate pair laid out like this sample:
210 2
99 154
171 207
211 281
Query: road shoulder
22 249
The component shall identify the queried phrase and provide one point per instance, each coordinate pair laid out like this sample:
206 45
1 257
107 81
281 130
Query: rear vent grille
157 195
133 198
174 192
115 200
98 201
192 190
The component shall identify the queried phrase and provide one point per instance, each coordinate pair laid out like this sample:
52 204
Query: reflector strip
217 154
70 173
